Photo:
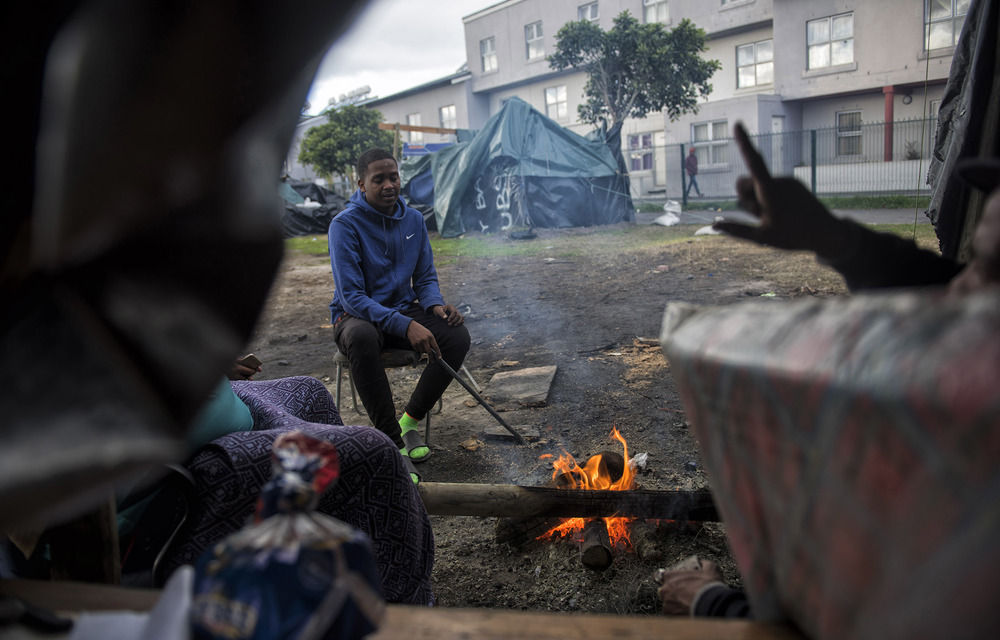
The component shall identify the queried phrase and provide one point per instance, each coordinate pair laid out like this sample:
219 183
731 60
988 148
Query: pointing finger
755 163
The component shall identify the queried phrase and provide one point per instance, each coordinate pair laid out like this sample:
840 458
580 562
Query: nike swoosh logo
410 236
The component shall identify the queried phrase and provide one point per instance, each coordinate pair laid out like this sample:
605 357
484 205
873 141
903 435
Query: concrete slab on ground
528 386
499 432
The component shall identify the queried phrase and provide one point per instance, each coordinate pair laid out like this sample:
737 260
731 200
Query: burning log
595 550
517 531
643 541
544 508
507 500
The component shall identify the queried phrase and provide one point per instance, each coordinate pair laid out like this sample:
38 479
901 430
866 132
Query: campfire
618 513
597 537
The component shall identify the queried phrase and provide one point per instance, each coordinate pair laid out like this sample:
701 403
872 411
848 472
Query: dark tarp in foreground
520 170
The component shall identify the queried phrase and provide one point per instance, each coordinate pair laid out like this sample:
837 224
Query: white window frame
448 115
640 151
936 24
557 103
851 135
414 137
762 63
656 11
534 44
933 109
832 45
488 54
588 12
711 141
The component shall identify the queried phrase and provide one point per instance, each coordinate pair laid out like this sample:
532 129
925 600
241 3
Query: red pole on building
890 99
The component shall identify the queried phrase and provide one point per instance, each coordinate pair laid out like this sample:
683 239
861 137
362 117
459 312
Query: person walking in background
691 166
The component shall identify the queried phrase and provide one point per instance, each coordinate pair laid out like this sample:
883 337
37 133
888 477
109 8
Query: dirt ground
596 316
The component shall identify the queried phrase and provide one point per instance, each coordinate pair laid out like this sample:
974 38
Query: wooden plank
79 596
393 126
505 500
436 623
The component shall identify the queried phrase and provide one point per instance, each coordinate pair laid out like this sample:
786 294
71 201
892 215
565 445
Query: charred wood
595 550
643 539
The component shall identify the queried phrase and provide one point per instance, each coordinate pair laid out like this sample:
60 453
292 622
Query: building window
488 54
830 41
755 64
711 142
449 117
849 133
943 20
414 137
556 106
640 152
588 12
933 110
655 11
533 40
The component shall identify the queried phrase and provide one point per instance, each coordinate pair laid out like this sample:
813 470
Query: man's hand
679 586
242 372
421 339
790 216
449 313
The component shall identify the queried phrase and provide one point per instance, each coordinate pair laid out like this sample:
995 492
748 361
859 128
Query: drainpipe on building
890 100
684 188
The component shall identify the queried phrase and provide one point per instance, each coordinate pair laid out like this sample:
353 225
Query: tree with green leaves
636 68
334 147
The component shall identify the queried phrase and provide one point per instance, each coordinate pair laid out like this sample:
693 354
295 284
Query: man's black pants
362 342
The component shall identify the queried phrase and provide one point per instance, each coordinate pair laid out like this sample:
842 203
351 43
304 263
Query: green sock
406 424
413 477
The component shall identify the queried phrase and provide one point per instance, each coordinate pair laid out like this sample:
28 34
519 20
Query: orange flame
594 475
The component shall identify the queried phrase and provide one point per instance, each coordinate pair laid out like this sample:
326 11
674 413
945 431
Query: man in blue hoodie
387 296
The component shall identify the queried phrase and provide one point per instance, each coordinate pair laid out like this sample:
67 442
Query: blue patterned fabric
374 492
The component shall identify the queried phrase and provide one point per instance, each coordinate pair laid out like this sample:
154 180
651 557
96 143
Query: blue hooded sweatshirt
381 264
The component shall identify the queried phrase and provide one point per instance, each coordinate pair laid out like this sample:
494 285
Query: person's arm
791 217
719 601
875 260
349 279
695 587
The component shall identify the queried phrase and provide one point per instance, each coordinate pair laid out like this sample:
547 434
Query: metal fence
852 159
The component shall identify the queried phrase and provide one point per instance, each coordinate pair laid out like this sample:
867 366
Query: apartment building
786 65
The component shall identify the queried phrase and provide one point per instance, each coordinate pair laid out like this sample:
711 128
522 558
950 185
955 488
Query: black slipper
412 440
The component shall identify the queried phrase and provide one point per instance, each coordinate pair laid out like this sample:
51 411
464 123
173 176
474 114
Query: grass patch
309 245
600 242
568 246
922 234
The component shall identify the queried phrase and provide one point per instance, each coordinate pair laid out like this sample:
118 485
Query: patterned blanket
374 492
853 447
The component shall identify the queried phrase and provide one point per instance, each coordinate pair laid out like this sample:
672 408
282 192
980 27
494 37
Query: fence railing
866 158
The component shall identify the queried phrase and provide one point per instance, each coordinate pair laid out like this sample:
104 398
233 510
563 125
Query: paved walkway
868 216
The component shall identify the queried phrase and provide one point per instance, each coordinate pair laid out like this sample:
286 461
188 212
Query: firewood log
595 550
